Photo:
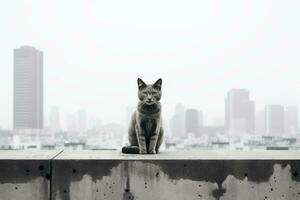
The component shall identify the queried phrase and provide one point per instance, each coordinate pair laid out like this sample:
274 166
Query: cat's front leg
152 144
141 139
154 137
153 141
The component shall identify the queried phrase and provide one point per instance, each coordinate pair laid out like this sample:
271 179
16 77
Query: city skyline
149 100
239 116
95 51
66 115
186 125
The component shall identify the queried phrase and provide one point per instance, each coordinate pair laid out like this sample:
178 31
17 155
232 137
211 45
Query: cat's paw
143 151
152 151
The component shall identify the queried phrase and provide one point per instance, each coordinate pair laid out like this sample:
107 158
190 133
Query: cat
145 131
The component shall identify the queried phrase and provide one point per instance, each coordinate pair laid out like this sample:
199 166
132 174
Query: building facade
193 122
291 119
28 88
177 123
239 112
274 120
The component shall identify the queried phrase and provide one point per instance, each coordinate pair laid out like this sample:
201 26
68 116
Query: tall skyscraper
274 119
239 112
177 123
28 88
291 119
193 121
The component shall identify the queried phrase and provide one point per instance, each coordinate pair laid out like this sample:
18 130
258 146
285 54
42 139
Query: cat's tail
131 150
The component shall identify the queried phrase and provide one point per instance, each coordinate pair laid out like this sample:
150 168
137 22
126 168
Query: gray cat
145 132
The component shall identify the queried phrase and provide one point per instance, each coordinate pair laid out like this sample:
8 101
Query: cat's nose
149 98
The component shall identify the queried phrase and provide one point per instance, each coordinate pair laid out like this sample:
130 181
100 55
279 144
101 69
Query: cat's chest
149 124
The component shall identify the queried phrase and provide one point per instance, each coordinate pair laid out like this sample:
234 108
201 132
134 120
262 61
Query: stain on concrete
143 185
22 171
36 189
25 179
256 170
64 172
280 185
176 179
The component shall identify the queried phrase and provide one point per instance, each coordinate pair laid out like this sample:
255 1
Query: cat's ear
141 83
157 84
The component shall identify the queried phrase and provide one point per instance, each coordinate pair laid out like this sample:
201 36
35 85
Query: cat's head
149 93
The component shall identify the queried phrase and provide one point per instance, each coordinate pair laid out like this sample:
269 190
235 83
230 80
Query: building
82 120
211 130
72 126
54 120
193 122
274 120
239 112
291 119
177 123
260 122
28 88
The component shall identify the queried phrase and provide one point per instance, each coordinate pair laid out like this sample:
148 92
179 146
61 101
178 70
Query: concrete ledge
177 175
90 175
25 174
180 155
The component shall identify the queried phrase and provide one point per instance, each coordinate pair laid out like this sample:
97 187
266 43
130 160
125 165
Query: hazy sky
95 50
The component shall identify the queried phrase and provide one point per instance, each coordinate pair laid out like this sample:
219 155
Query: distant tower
239 112
54 120
260 122
274 119
193 121
291 119
28 88
82 120
177 123
72 127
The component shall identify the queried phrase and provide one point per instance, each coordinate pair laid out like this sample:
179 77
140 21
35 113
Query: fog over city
95 50
143 100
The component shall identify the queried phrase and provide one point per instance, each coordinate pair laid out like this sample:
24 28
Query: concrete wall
92 175
25 175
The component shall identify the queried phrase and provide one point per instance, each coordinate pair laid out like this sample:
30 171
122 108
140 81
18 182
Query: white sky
95 50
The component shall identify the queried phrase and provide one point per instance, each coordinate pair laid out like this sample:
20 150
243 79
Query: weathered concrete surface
25 175
177 175
180 175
